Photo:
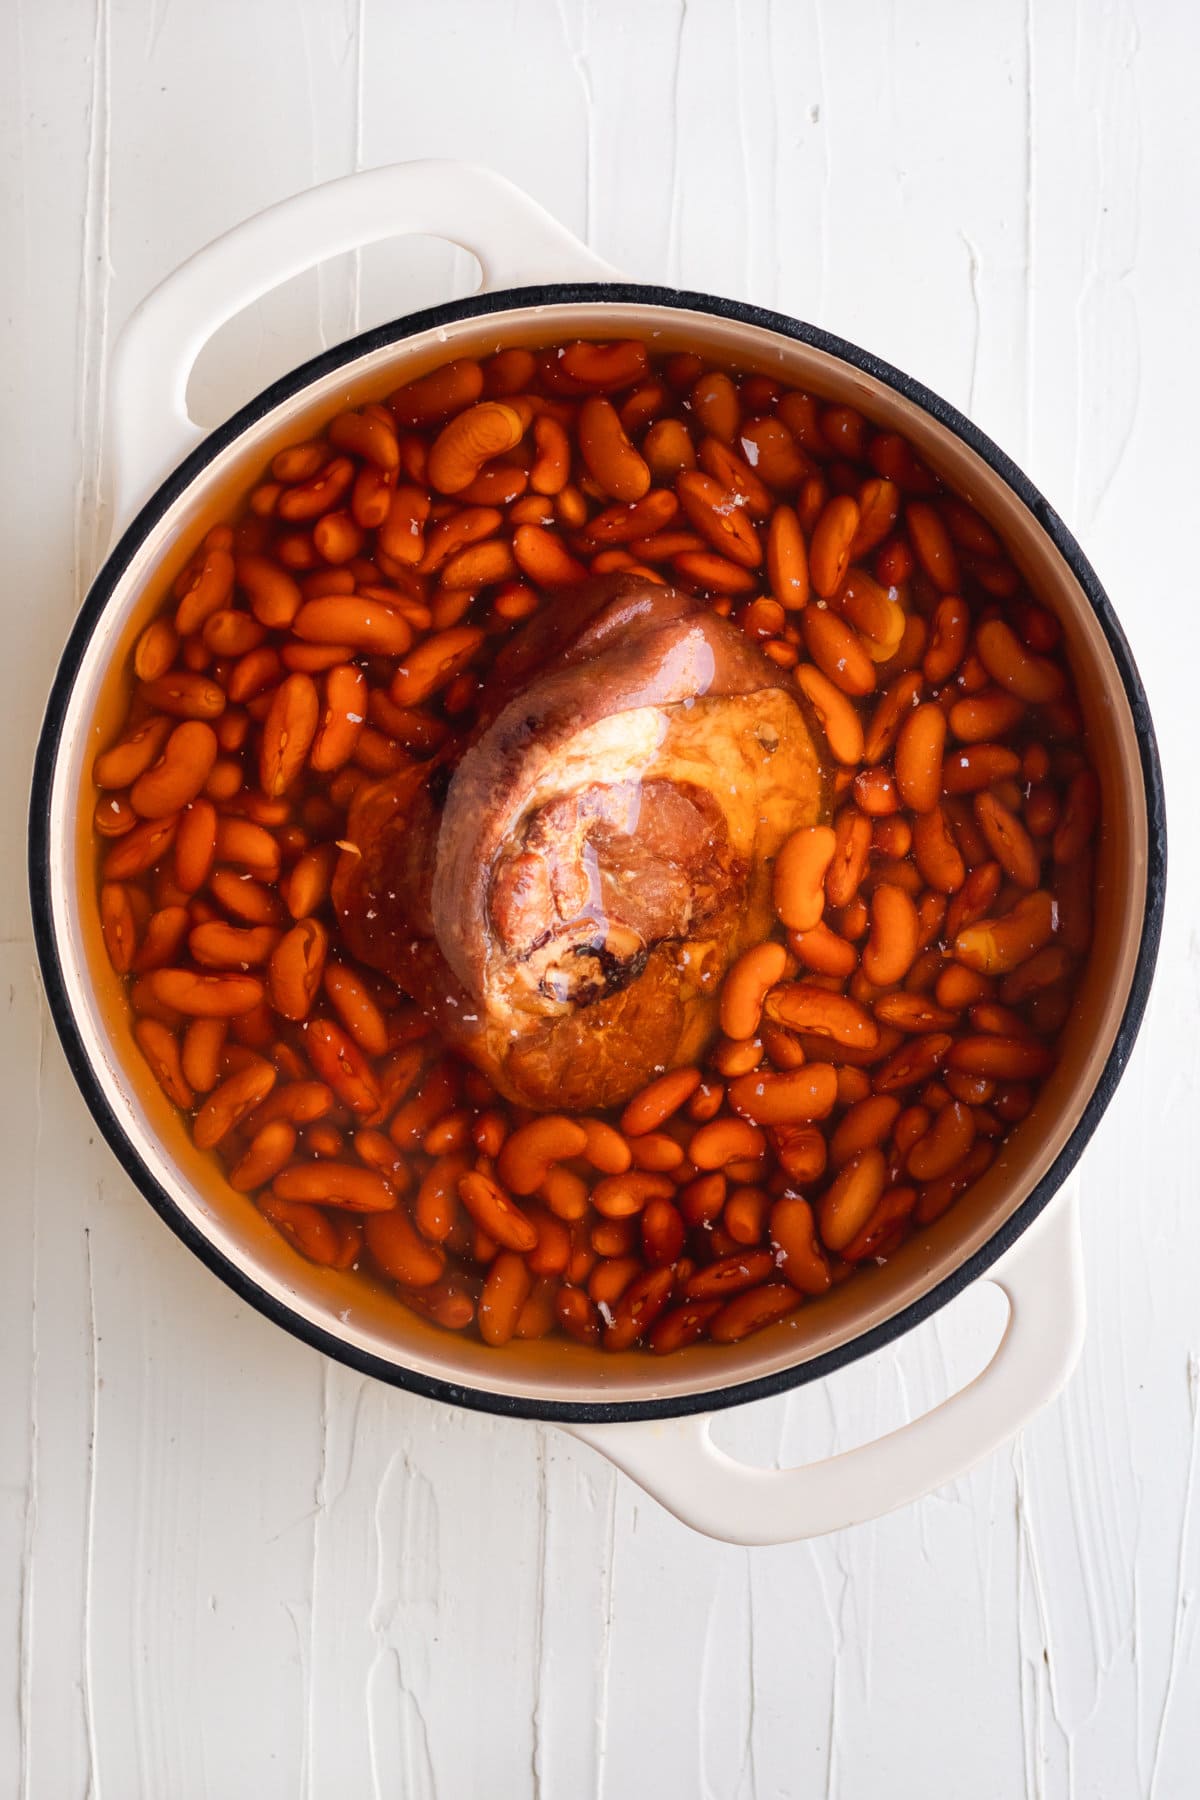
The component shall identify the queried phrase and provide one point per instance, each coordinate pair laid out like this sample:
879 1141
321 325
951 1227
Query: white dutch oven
649 1416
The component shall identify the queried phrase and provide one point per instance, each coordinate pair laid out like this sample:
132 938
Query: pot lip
90 617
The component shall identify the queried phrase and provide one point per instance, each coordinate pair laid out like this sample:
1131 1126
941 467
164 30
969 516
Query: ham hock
563 889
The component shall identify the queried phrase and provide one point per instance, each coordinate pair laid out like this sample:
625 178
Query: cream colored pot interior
347 1307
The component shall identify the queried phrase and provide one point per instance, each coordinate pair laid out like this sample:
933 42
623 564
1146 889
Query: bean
577 1316
1080 815
884 1228
996 946
231 1102
849 1201
918 760
456 384
340 720
306 1228
113 816
913 1013
1000 1058
436 1207
506 1288
328 1182
730 1275
949 632
667 449
798 1253
340 1064
914 1062
745 1214
621 1196
494 1212
541 556
803 1006
787 560
118 926
638 1308
398 1249
837 651
795 1097
348 619
610 458
897 701
605 1148
245 898
875 615
606 367
308 500
978 891
835 714
160 1047
351 1000
746 986
1044 969
876 793
894 936
944 1145
529 1152
288 731
656 1102
297 966
823 951
203 1042
249 846
125 761
714 513
798 879
365 436
217 945
708 572
751 1312
205 590
433 663
937 855
829 547
552 464
663 1232
162 939
269 1151
438 1092
847 865
932 544
1031 678
401 535
700 1200
801 1152
987 716
864 1126
1008 840
206 996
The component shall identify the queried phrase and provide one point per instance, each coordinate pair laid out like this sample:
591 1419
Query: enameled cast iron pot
648 1415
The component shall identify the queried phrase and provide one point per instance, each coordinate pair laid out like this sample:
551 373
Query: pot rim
90 618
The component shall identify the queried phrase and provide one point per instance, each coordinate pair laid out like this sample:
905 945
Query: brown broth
696 1244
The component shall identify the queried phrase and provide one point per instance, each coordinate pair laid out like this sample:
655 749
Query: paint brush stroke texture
228 1569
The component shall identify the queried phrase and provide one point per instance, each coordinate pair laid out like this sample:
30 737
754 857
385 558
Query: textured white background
230 1569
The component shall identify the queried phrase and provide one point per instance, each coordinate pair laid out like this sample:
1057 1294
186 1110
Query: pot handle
515 240
677 1463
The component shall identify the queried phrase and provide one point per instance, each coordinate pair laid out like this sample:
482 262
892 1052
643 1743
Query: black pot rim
90 617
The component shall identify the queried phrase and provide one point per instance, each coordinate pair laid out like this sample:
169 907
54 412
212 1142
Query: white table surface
229 1568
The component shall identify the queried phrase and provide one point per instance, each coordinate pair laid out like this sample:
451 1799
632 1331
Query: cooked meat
564 892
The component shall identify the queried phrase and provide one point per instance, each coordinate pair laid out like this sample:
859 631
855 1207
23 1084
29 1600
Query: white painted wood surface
228 1568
